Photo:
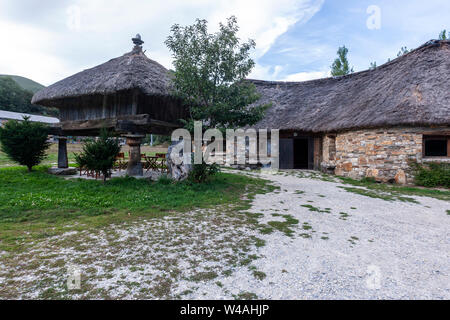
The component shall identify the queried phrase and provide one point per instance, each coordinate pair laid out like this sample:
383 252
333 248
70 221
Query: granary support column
63 162
134 163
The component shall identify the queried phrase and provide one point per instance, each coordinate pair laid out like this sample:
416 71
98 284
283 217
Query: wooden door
286 148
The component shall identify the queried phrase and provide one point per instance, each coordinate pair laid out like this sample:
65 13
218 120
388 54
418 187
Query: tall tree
443 35
340 66
209 75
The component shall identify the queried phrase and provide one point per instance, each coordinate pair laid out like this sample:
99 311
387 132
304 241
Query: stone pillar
134 163
63 162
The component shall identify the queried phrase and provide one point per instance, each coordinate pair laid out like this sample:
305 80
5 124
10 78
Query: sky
296 40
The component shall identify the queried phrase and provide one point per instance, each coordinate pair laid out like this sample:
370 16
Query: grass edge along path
38 205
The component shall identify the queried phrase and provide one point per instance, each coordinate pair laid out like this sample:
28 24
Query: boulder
178 172
400 177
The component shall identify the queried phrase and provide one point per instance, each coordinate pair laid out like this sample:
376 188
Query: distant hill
14 97
25 83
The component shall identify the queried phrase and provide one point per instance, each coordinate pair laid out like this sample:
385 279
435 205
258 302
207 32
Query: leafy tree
25 142
210 72
443 35
340 66
209 75
99 155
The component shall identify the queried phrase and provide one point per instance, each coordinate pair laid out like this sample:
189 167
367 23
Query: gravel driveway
347 245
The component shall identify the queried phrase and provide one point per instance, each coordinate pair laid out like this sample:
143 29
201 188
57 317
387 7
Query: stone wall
379 153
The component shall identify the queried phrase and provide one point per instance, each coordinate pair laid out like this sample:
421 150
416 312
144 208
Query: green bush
201 172
432 175
99 155
25 142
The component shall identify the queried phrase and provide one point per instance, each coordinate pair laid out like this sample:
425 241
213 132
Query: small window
436 146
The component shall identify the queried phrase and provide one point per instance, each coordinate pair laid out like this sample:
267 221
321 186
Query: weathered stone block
347 166
400 177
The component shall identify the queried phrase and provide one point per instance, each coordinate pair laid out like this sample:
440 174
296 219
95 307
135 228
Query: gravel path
355 247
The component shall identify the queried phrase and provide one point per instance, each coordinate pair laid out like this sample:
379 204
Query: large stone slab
63 171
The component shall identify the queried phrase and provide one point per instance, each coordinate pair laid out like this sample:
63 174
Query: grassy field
38 204
127 226
52 153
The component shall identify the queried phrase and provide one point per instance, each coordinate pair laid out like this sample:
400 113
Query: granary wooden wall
121 104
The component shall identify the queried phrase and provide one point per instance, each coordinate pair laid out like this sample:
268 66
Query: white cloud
266 72
305 76
266 20
22 52
53 48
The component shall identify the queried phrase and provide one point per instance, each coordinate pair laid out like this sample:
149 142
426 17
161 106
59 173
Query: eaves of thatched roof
132 71
412 90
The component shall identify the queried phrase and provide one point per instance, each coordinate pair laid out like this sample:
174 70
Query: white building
8 115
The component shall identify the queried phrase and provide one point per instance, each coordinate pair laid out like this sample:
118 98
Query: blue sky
307 50
297 40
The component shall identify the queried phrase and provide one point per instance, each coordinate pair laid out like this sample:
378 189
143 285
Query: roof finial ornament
137 40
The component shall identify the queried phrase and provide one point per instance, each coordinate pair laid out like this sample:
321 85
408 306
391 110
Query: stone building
367 124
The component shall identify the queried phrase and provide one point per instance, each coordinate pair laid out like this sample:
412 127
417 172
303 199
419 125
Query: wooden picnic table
157 163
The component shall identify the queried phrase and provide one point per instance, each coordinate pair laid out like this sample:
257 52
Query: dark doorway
286 154
301 149
297 153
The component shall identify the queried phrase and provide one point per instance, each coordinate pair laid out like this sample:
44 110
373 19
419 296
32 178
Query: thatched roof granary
412 90
131 93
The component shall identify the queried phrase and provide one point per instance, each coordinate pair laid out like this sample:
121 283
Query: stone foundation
383 154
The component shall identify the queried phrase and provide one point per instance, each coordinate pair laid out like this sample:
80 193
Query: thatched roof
133 70
412 90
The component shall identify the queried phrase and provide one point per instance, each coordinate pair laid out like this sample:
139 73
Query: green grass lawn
395 190
38 204
52 156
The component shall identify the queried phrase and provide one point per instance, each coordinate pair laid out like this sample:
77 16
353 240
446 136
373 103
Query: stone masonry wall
379 153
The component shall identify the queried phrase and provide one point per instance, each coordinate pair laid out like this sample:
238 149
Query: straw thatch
132 71
412 90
